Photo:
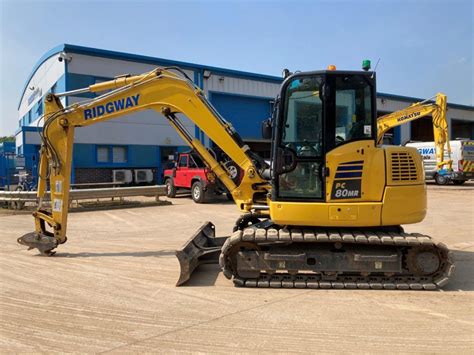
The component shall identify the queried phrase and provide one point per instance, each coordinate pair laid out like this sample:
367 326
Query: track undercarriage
265 255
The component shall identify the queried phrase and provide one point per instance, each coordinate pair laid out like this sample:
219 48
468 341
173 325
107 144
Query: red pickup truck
190 173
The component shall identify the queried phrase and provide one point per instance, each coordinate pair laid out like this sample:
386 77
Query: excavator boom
419 110
162 90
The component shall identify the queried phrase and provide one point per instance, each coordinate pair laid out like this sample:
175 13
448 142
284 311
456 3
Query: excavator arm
162 90
418 110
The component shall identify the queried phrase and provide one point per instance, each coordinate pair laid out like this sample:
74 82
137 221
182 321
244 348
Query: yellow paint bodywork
160 90
379 204
404 204
356 214
373 173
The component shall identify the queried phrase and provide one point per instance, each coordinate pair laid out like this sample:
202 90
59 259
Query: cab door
181 177
319 113
299 154
355 166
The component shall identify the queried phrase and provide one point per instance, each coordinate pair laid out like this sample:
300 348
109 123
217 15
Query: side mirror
267 129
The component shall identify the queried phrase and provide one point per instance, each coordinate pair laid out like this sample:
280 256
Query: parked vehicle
462 155
25 183
190 173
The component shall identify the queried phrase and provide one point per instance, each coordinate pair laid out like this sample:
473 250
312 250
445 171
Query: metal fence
20 197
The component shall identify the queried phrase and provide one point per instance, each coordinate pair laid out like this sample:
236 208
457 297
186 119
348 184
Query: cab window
195 162
304 117
183 161
353 109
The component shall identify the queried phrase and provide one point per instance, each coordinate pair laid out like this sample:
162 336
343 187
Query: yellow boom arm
161 90
418 110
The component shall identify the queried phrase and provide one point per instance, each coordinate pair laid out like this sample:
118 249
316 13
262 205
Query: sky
424 47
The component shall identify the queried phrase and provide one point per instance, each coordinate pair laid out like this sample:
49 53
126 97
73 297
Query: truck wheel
234 171
458 182
441 180
197 192
170 188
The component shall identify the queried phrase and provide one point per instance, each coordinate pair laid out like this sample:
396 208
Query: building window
119 154
112 154
27 119
39 109
102 154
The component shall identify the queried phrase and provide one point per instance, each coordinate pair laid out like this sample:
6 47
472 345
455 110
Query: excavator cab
318 111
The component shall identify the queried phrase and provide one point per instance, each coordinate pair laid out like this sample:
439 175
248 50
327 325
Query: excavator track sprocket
334 258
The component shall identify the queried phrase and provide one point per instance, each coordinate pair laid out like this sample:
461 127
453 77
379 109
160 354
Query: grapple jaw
44 243
202 248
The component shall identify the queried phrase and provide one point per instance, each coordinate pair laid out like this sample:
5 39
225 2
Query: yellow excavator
437 110
327 212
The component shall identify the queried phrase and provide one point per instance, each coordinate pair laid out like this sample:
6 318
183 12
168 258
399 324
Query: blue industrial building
145 140
7 164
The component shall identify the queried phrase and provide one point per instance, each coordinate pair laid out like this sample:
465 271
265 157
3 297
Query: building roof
417 99
70 48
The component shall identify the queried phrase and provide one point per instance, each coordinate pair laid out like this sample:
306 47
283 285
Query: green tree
7 139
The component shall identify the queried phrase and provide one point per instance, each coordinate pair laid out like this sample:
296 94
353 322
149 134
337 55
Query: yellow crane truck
327 212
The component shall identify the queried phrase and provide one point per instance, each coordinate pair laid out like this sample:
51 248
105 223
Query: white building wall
389 105
42 81
143 128
227 84
107 67
457 114
19 140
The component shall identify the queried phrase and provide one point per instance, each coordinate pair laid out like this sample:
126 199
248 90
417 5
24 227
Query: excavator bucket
202 248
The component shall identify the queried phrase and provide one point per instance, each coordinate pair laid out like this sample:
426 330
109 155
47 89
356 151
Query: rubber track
400 282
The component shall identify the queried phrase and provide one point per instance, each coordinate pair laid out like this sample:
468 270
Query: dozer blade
44 243
202 248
